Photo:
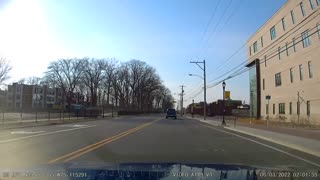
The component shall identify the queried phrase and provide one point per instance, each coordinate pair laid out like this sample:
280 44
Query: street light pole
104 92
204 88
112 108
192 107
223 104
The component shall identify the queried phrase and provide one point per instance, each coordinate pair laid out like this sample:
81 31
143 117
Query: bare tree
34 80
4 70
111 66
92 76
65 74
21 81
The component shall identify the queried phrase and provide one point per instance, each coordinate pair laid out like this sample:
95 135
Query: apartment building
3 99
22 96
284 64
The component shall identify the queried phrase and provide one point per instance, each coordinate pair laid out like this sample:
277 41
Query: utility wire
210 20
217 24
267 49
269 58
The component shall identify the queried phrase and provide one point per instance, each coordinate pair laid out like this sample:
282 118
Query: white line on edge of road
27 132
42 134
271 147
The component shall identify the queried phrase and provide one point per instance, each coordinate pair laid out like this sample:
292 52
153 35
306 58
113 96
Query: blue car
171 113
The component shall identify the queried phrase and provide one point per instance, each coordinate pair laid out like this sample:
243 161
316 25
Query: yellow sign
57 107
227 94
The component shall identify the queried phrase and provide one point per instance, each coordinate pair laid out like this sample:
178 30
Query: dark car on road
171 113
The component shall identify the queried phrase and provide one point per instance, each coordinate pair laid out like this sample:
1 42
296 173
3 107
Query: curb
290 145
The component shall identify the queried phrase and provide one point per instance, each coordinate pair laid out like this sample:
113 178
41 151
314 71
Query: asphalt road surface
148 138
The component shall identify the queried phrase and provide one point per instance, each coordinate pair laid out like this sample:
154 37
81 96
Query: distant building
3 99
22 96
284 61
214 108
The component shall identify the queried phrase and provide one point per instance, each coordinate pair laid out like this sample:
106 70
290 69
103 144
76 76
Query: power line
210 20
237 51
267 49
269 58
217 24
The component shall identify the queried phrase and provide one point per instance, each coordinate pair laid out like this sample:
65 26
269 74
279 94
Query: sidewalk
306 140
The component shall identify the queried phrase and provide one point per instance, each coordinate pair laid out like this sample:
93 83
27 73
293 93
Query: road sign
227 94
268 97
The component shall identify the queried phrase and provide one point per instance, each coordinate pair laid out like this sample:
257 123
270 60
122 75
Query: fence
47 115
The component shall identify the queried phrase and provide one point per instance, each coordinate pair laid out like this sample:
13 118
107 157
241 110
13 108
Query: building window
291 75
278 79
261 41
305 39
279 53
290 108
250 50
274 109
18 96
267 109
298 108
318 29
287 51
283 24
265 60
303 11
273 33
311 4
282 108
300 71
255 47
310 69
318 2
294 44
308 108
263 84
293 18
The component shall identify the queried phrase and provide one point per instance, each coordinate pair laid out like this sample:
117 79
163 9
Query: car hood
146 171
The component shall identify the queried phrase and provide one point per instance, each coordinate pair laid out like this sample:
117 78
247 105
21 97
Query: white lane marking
290 145
274 148
27 132
36 135
75 125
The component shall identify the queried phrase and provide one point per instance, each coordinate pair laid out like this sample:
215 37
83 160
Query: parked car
171 113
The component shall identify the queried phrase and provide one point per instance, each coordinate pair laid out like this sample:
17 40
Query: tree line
132 85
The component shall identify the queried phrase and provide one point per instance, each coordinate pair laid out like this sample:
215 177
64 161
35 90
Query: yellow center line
96 145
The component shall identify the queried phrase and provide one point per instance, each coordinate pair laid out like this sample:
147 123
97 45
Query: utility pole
192 107
182 91
205 85
298 107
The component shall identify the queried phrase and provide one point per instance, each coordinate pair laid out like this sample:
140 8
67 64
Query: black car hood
150 171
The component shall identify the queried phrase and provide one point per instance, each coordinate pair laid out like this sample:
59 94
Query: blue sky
167 34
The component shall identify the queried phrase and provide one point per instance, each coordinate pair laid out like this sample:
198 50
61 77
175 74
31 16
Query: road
148 138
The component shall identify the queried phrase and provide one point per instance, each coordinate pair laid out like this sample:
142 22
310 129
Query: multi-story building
3 99
22 96
284 64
